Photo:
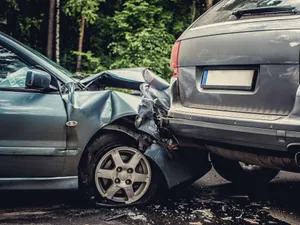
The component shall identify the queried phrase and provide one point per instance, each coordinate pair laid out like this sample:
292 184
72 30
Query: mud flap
180 166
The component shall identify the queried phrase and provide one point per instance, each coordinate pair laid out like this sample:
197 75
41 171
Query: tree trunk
57 31
209 4
50 29
194 10
80 42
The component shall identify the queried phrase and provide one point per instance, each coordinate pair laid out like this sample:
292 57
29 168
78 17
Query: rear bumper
235 129
277 135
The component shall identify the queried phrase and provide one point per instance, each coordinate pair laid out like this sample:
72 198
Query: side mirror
38 79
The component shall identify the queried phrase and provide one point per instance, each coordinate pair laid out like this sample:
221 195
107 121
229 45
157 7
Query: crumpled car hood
129 78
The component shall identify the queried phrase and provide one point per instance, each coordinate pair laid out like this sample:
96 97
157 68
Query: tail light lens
174 58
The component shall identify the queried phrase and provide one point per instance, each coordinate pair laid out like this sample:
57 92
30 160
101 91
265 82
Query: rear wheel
241 173
113 172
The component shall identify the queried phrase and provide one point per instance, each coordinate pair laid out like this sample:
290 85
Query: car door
32 124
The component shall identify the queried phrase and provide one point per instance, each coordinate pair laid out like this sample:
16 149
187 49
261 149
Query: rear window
222 12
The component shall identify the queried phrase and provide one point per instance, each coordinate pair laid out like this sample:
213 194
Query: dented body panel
93 111
185 165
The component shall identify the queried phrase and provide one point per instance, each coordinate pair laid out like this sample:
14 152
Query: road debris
194 206
229 218
205 213
115 217
135 216
250 221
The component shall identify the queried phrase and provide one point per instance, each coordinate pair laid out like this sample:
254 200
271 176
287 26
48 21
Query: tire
117 182
236 173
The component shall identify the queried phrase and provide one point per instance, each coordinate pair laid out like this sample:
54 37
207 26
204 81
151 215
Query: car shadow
285 193
37 198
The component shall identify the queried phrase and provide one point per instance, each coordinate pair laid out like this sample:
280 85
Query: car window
222 12
12 69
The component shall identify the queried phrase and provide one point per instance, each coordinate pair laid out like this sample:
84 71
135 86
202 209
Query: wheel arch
124 126
119 125
115 128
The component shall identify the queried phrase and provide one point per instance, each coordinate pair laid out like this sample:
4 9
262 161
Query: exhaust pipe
272 162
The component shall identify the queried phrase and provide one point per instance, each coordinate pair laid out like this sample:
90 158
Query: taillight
174 58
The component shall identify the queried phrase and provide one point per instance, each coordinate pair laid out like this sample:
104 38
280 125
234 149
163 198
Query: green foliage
143 39
138 14
19 20
86 8
13 4
29 24
147 48
91 64
120 33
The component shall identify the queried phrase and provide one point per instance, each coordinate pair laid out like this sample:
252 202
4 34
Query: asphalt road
211 200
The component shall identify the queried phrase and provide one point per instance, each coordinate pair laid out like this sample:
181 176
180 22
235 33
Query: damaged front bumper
179 162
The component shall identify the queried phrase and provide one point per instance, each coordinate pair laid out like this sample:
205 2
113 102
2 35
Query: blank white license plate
228 79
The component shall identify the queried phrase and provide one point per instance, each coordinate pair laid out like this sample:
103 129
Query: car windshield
60 68
222 12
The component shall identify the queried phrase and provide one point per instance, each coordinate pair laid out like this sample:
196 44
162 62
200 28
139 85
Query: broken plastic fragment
115 217
251 221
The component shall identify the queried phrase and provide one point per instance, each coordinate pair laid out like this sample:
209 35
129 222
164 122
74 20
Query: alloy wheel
123 175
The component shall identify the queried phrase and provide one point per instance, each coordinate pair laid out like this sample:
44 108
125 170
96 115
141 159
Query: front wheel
241 173
113 172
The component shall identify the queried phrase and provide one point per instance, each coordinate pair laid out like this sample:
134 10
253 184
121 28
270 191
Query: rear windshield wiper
265 10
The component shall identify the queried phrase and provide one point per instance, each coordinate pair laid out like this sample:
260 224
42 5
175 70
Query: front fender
88 113
91 111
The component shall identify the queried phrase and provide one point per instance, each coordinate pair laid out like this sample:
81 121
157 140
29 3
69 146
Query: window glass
12 69
222 12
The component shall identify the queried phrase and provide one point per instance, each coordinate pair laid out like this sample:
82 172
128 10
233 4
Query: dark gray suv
236 87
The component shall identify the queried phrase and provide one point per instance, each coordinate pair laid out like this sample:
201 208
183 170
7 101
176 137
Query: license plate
228 79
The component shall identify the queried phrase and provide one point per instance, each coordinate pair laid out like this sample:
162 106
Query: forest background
89 36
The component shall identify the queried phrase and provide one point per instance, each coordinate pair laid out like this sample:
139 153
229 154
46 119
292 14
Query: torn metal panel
154 104
157 89
172 170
